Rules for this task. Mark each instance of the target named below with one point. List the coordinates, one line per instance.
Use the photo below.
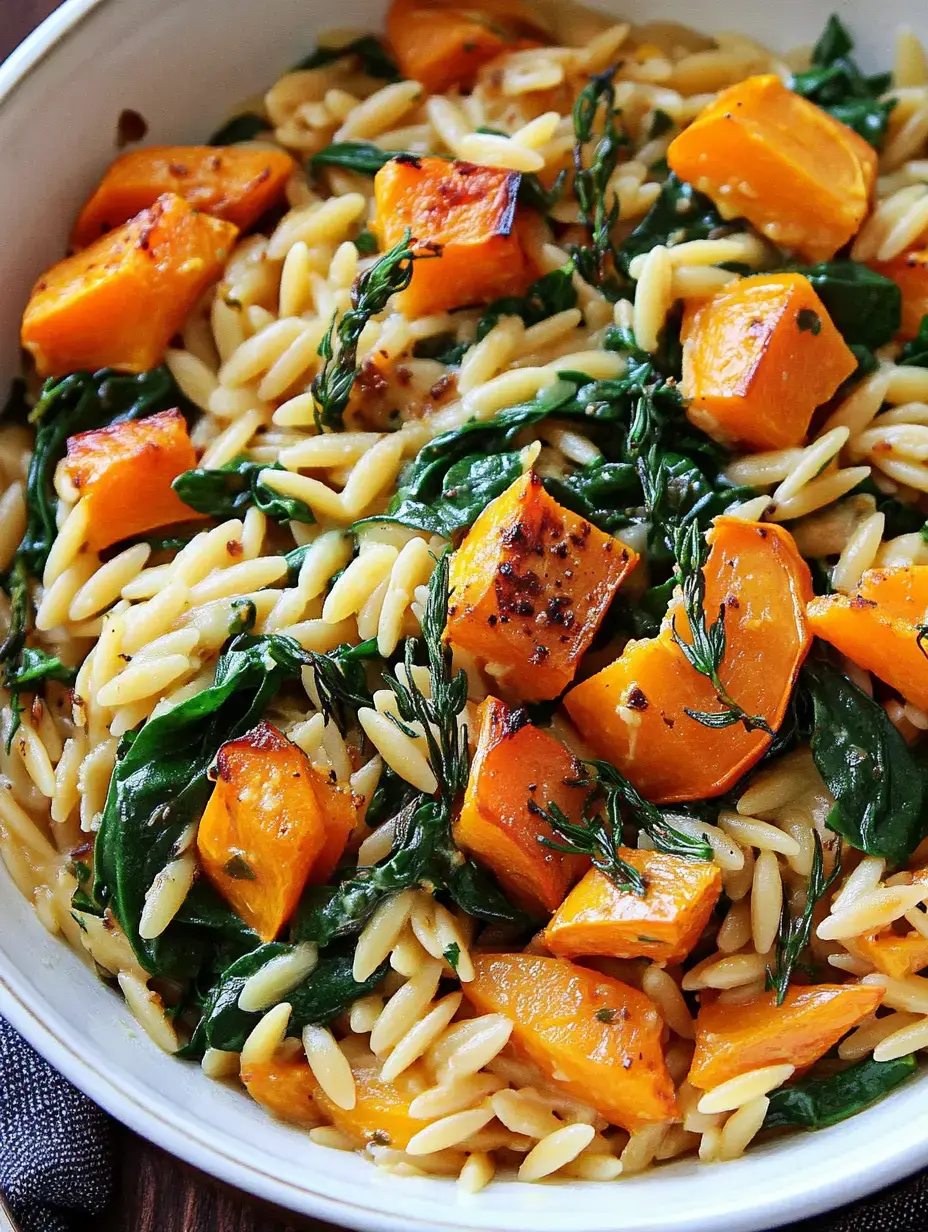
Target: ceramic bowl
(182, 64)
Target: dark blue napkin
(55, 1157)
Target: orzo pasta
(466, 591)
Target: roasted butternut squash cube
(759, 358)
(235, 183)
(732, 1039)
(381, 1110)
(634, 712)
(268, 826)
(763, 153)
(599, 918)
(284, 1085)
(463, 221)
(910, 274)
(878, 626)
(530, 584)
(443, 44)
(118, 303)
(517, 769)
(124, 472)
(597, 1038)
(896, 956)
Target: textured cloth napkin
(55, 1158)
(54, 1143)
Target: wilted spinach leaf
(878, 782)
(915, 351)
(230, 490)
(244, 127)
(836, 83)
(865, 306)
(679, 213)
(375, 61)
(815, 1103)
(361, 156)
(160, 785)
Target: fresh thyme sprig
(595, 838)
(646, 816)
(795, 931)
(707, 649)
(438, 713)
(341, 682)
(331, 389)
(596, 119)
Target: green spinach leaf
(680, 213)
(374, 58)
(865, 306)
(244, 127)
(160, 785)
(815, 1103)
(230, 490)
(361, 156)
(836, 83)
(879, 783)
(915, 351)
(327, 992)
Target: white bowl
(182, 64)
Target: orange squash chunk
(633, 712)
(443, 44)
(118, 303)
(466, 215)
(758, 358)
(268, 827)
(516, 766)
(285, 1087)
(910, 273)
(763, 153)
(125, 471)
(878, 626)
(227, 182)
(732, 1039)
(381, 1111)
(529, 586)
(594, 1036)
(599, 918)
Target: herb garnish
(332, 387)
(795, 931)
(596, 119)
(707, 649)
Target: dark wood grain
(154, 1192)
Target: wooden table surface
(155, 1192)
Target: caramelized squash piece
(381, 1111)
(124, 472)
(517, 768)
(594, 1036)
(442, 43)
(118, 303)
(878, 627)
(633, 712)
(463, 218)
(529, 586)
(759, 358)
(285, 1087)
(763, 153)
(599, 918)
(910, 274)
(732, 1039)
(268, 826)
(230, 182)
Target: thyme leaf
(706, 651)
(596, 120)
(332, 387)
(596, 838)
(795, 931)
(646, 816)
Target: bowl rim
(163, 1123)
